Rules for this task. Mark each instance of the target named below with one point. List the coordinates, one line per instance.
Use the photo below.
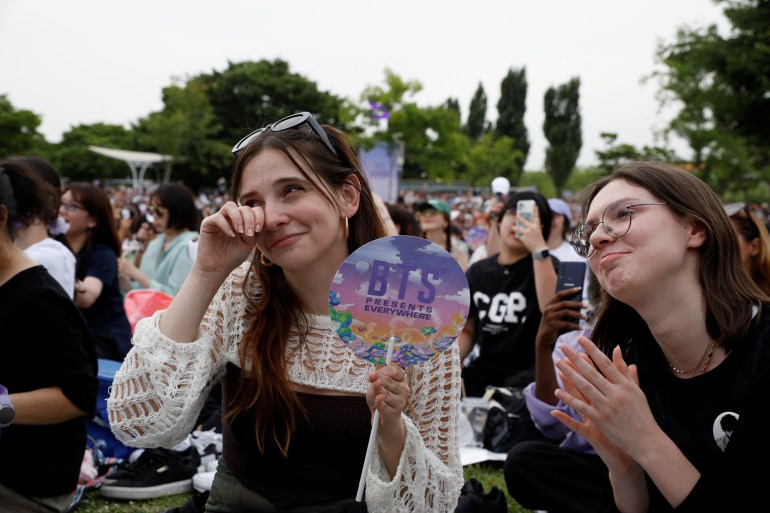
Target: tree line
(720, 85)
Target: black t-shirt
(506, 314)
(44, 342)
(719, 420)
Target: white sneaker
(202, 481)
(208, 444)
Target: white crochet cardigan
(160, 389)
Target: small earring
(265, 261)
(347, 230)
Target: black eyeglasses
(286, 123)
(616, 221)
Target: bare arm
(465, 340)
(226, 239)
(545, 281)
(88, 291)
(531, 235)
(558, 315)
(43, 406)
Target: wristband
(7, 413)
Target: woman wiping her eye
(254, 313)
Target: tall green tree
(492, 156)
(511, 108)
(454, 104)
(434, 145)
(18, 130)
(391, 96)
(248, 95)
(477, 114)
(563, 129)
(719, 83)
(186, 129)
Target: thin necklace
(702, 363)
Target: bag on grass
(506, 407)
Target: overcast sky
(89, 61)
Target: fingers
(238, 220)
(567, 293)
(613, 370)
(390, 387)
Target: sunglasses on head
(293, 121)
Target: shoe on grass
(157, 473)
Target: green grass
(489, 474)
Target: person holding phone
(681, 341)
(558, 471)
(509, 290)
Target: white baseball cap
(501, 185)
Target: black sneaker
(157, 473)
(474, 500)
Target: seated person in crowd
(509, 290)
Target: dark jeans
(228, 495)
(542, 475)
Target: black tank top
(325, 457)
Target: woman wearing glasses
(92, 238)
(673, 397)
(166, 262)
(297, 403)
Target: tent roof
(140, 157)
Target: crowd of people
(642, 387)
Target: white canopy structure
(138, 161)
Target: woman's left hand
(606, 393)
(388, 393)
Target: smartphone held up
(525, 209)
(571, 275)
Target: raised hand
(531, 233)
(559, 315)
(227, 237)
(616, 417)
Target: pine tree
(511, 108)
(562, 128)
(477, 114)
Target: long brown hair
(277, 311)
(728, 291)
(752, 229)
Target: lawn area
(489, 474)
